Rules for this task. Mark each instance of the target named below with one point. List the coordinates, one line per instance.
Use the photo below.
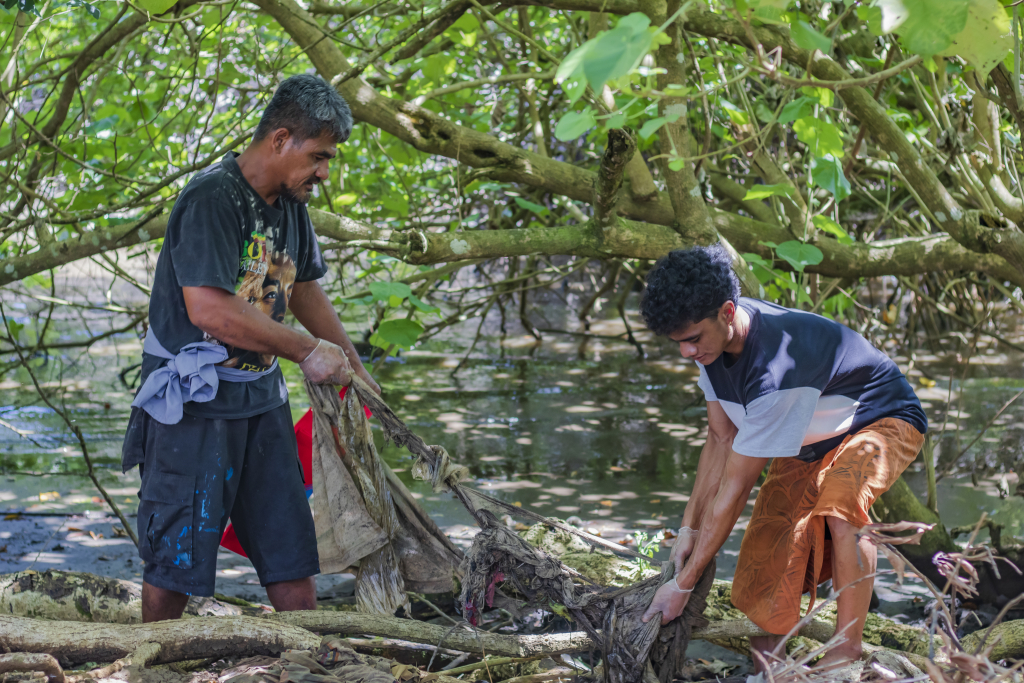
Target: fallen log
(1006, 640)
(78, 642)
(25, 661)
(464, 638)
(80, 596)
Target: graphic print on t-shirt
(266, 278)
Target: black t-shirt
(221, 233)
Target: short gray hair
(308, 107)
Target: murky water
(597, 434)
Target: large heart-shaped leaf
(402, 333)
(799, 255)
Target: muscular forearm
(313, 310)
(708, 480)
(715, 526)
(235, 322)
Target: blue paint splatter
(231, 470)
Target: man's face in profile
(303, 164)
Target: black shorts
(198, 473)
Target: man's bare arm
(741, 473)
(710, 468)
(313, 309)
(235, 322)
(711, 465)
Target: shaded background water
(590, 431)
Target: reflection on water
(605, 437)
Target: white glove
(327, 364)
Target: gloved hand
(682, 546)
(327, 365)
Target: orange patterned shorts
(784, 552)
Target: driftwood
(77, 642)
(143, 656)
(610, 616)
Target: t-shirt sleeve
(776, 423)
(704, 382)
(207, 247)
(310, 264)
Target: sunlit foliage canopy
(824, 142)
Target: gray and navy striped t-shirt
(802, 383)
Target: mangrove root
(25, 661)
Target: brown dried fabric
(379, 586)
(611, 616)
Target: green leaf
(387, 291)
(827, 173)
(762, 268)
(618, 51)
(651, 127)
(797, 109)
(799, 255)
(14, 329)
(764, 191)
(826, 224)
(616, 120)
(89, 7)
(156, 6)
(576, 89)
(735, 114)
(804, 35)
(573, 63)
(103, 124)
(396, 204)
(438, 67)
(925, 27)
(822, 96)
(574, 124)
(403, 333)
(422, 305)
(986, 38)
(359, 301)
(530, 206)
(821, 137)
(768, 11)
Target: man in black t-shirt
(210, 427)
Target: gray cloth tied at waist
(190, 375)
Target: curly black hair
(687, 286)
